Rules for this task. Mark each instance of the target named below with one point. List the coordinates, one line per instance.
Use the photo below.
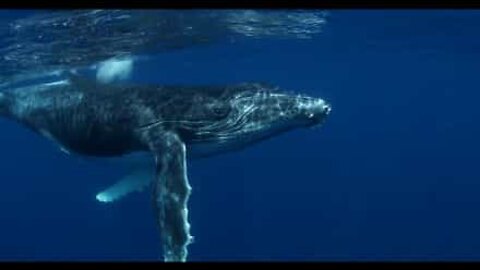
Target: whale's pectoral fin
(171, 191)
(136, 180)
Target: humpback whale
(164, 126)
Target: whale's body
(157, 129)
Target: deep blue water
(392, 175)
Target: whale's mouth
(327, 108)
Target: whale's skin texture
(168, 123)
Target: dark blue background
(393, 174)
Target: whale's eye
(219, 109)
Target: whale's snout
(327, 108)
(316, 110)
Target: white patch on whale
(114, 69)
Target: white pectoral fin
(137, 180)
(171, 193)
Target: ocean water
(391, 175)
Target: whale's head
(262, 108)
(256, 111)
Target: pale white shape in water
(115, 69)
(56, 83)
(134, 181)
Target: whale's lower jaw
(236, 142)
